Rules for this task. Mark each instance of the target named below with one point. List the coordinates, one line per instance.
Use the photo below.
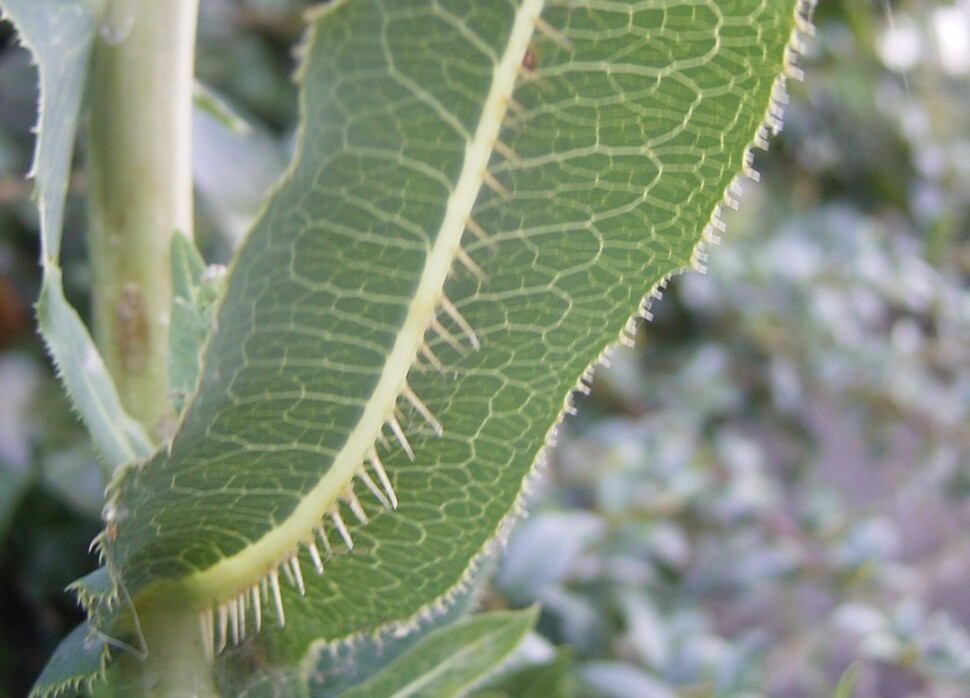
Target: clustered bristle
(228, 623)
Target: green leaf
(118, 438)
(60, 34)
(215, 106)
(544, 200)
(195, 289)
(552, 679)
(451, 659)
(80, 660)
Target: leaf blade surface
(620, 136)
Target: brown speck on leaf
(530, 61)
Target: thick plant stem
(140, 194)
(176, 665)
(140, 191)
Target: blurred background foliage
(771, 487)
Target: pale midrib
(231, 576)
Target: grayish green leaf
(620, 136)
(79, 660)
(451, 659)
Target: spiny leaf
(79, 660)
(541, 172)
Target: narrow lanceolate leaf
(482, 195)
(60, 33)
(451, 659)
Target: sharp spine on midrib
(231, 616)
(557, 37)
(470, 264)
(378, 468)
(257, 608)
(489, 180)
(223, 614)
(402, 439)
(297, 574)
(274, 587)
(375, 490)
(432, 359)
(422, 409)
(478, 231)
(505, 151)
(233, 613)
(311, 547)
(338, 522)
(350, 499)
(460, 320)
(447, 336)
(322, 534)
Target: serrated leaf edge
(771, 123)
(224, 618)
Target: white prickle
(298, 574)
(223, 614)
(432, 359)
(314, 555)
(374, 489)
(460, 320)
(489, 180)
(322, 534)
(274, 585)
(447, 336)
(383, 479)
(338, 521)
(288, 573)
(505, 151)
(241, 602)
(233, 620)
(400, 436)
(478, 231)
(350, 498)
(422, 409)
(257, 608)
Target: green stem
(140, 194)
(176, 665)
(140, 191)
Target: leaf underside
(619, 136)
